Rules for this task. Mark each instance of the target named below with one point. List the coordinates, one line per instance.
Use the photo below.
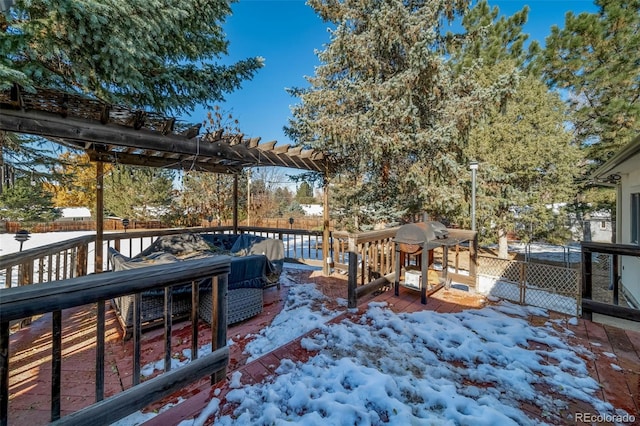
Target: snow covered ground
(472, 367)
(8, 244)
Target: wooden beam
(192, 131)
(253, 142)
(281, 149)
(622, 312)
(84, 133)
(326, 236)
(163, 162)
(99, 216)
(267, 146)
(167, 126)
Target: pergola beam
(119, 139)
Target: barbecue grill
(420, 239)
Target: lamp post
(22, 236)
(210, 218)
(473, 166)
(125, 223)
(291, 223)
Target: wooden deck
(30, 369)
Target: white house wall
(630, 271)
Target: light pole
(473, 166)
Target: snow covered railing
(26, 301)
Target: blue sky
(287, 32)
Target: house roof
(625, 161)
(117, 134)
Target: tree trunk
(503, 248)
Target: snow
(9, 245)
(473, 367)
(76, 212)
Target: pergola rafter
(116, 134)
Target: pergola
(120, 135)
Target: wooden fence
(115, 224)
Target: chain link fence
(555, 288)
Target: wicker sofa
(256, 264)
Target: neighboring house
(596, 226)
(622, 171)
(74, 214)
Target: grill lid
(421, 232)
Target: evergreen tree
(304, 194)
(527, 156)
(284, 198)
(387, 106)
(29, 155)
(596, 59)
(27, 201)
(493, 38)
(138, 192)
(527, 166)
(161, 55)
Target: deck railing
(369, 258)
(375, 251)
(20, 302)
(53, 262)
(590, 306)
(75, 257)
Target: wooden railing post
(219, 287)
(473, 259)
(4, 373)
(586, 281)
(352, 280)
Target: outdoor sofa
(256, 263)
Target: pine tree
(160, 55)
(388, 108)
(27, 201)
(304, 194)
(28, 155)
(527, 166)
(492, 38)
(163, 55)
(596, 59)
(527, 157)
(138, 192)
